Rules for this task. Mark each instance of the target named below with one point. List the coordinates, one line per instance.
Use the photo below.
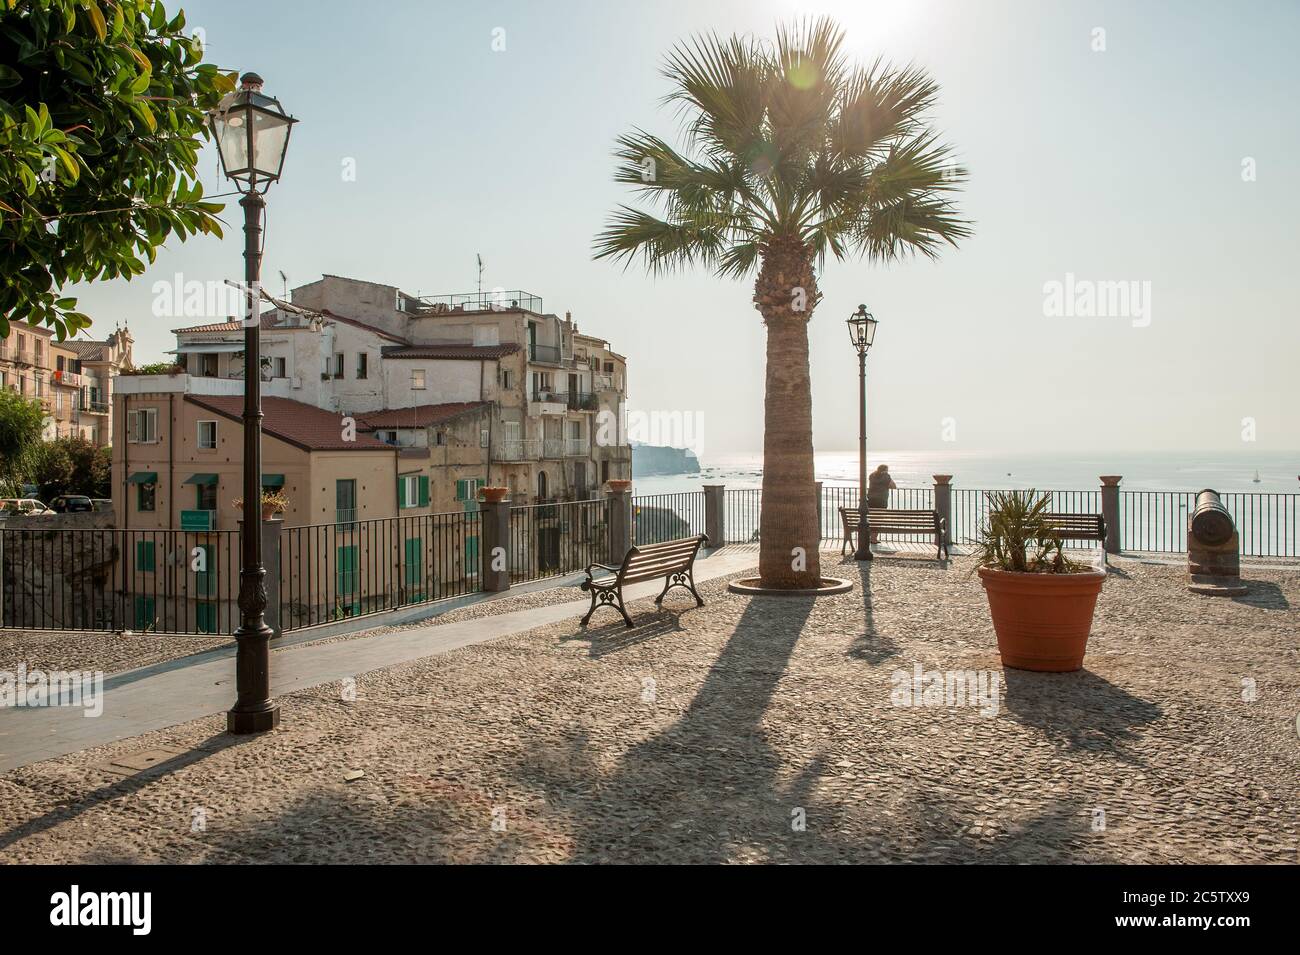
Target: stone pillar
(715, 514)
(271, 561)
(620, 524)
(943, 504)
(494, 547)
(1110, 512)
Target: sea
(1261, 471)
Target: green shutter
(144, 555)
(144, 613)
(460, 490)
(424, 491)
(414, 566)
(471, 556)
(207, 618)
(205, 582)
(401, 491)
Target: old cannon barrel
(1211, 522)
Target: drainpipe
(171, 462)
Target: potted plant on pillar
(273, 503)
(1041, 601)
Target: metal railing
(1268, 524)
(163, 581)
(519, 449)
(330, 572)
(546, 353)
(549, 540)
(664, 517)
(476, 301)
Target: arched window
(541, 485)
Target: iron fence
(354, 568)
(664, 517)
(550, 540)
(160, 581)
(1268, 524)
(970, 510)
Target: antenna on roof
(480, 277)
(284, 283)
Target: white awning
(191, 348)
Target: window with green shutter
(347, 578)
(424, 490)
(144, 555)
(471, 556)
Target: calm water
(1173, 471)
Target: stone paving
(754, 729)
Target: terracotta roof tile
(420, 416)
(452, 351)
(303, 425)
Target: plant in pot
(1041, 601)
(494, 494)
(618, 485)
(273, 503)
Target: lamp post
(862, 332)
(252, 134)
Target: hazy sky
(1117, 165)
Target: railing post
(494, 554)
(620, 524)
(818, 485)
(943, 504)
(271, 561)
(715, 516)
(1110, 512)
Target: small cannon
(1212, 548)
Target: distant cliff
(649, 460)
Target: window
(506, 378)
(207, 497)
(417, 379)
(345, 500)
(280, 370)
(484, 436)
(338, 365)
(145, 496)
(467, 491)
(207, 435)
(58, 363)
(144, 555)
(362, 365)
(413, 490)
(440, 438)
(142, 426)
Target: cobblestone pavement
(753, 729)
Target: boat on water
(1256, 477)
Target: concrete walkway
(152, 698)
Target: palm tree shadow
(691, 774)
(1080, 710)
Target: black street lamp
(252, 134)
(862, 332)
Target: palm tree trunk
(786, 293)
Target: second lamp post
(862, 332)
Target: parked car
(71, 503)
(23, 505)
(102, 503)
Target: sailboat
(1256, 477)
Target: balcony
(94, 407)
(564, 448)
(564, 400)
(528, 449)
(614, 453)
(345, 515)
(545, 353)
(23, 356)
(604, 383)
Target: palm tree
(790, 153)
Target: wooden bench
(1080, 527)
(673, 560)
(892, 521)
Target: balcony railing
(564, 448)
(573, 400)
(94, 407)
(345, 515)
(521, 449)
(549, 353)
(496, 300)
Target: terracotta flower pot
(1042, 620)
(268, 511)
(495, 495)
(618, 485)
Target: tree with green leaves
(71, 465)
(102, 110)
(791, 153)
(22, 420)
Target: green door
(145, 615)
(207, 617)
(345, 583)
(414, 564)
(471, 556)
